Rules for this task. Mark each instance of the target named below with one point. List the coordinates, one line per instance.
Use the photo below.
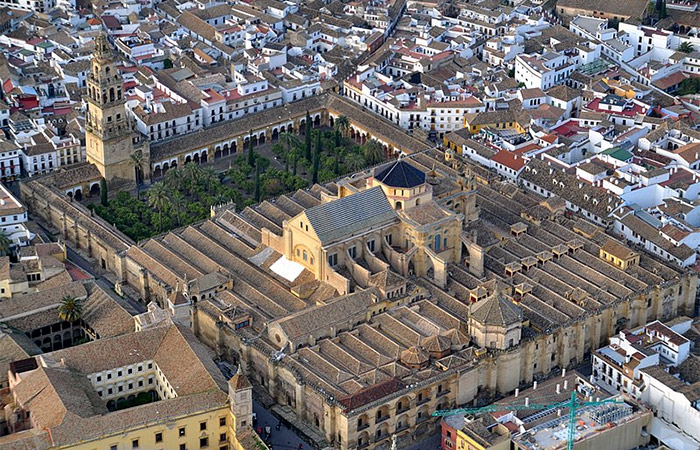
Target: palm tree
(342, 124)
(158, 199)
(354, 162)
(192, 174)
(686, 47)
(138, 160)
(221, 198)
(373, 152)
(289, 140)
(209, 176)
(70, 309)
(174, 178)
(178, 201)
(294, 154)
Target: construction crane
(573, 404)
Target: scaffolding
(610, 413)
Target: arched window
(305, 255)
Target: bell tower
(109, 138)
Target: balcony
(401, 428)
(424, 400)
(381, 438)
(443, 393)
(381, 419)
(422, 419)
(362, 427)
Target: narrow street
(285, 438)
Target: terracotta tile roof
(371, 393)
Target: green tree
(373, 152)
(70, 309)
(689, 86)
(317, 159)
(103, 191)
(307, 137)
(191, 175)
(258, 191)
(342, 124)
(354, 162)
(167, 64)
(5, 243)
(138, 160)
(337, 136)
(251, 154)
(178, 201)
(295, 161)
(339, 152)
(662, 12)
(686, 47)
(174, 179)
(158, 199)
(289, 141)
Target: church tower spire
(109, 138)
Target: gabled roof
(351, 214)
(400, 174)
(497, 310)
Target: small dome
(437, 345)
(400, 174)
(458, 340)
(415, 357)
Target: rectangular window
(202, 426)
(181, 431)
(222, 421)
(135, 443)
(203, 442)
(159, 437)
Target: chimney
(534, 385)
(563, 373)
(517, 391)
(527, 401)
(565, 383)
(558, 389)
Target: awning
(671, 436)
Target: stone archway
(157, 172)
(78, 195)
(188, 159)
(196, 158)
(275, 134)
(166, 166)
(317, 121)
(95, 189)
(204, 157)
(57, 343)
